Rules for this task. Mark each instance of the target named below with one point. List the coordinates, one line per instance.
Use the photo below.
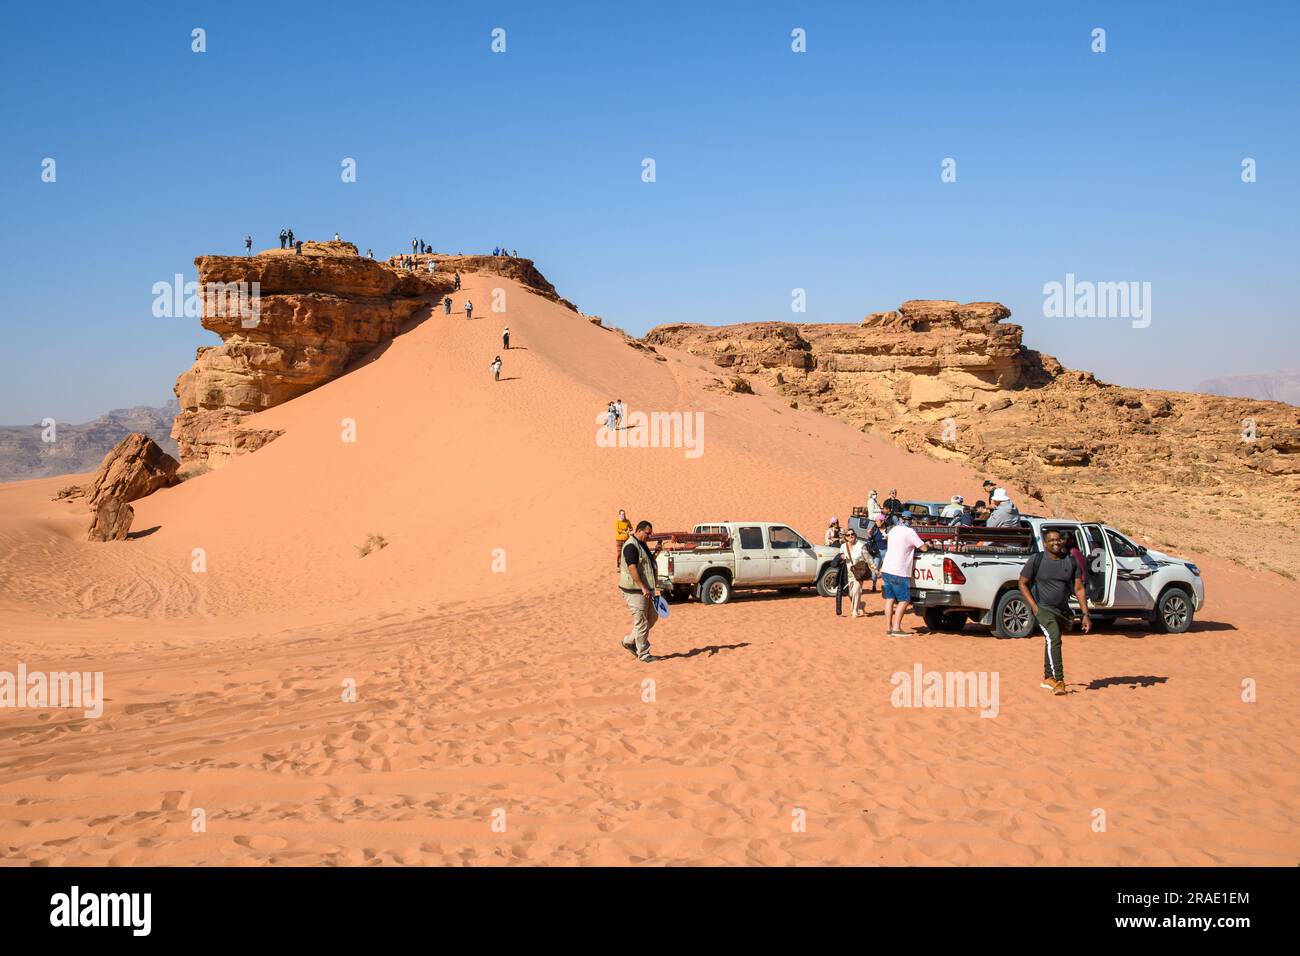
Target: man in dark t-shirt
(1046, 583)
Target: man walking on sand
(446, 305)
(1046, 582)
(636, 580)
(505, 338)
(901, 545)
(469, 310)
(622, 531)
(496, 369)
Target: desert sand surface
(487, 695)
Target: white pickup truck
(973, 574)
(744, 555)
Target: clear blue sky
(775, 170)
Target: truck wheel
(1174, 611)
(826, 583)
(948, 622)
(716, 589)
(1012, 617)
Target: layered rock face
(289, 323)
(954, 381)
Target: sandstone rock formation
(112, 521)
(303, 320)
(522, 271)
(954, 381)
(135, 468)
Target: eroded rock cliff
(289, 323)
(1185, 470)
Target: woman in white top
(855, 554)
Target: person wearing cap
(953, 508)
(833, 533)
(1004, 514)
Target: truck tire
(1011, 615)
(947, 622)
(715, 589)
(826, 581)
(1174, 611)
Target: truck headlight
(1193, 568)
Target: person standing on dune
(505, 338)
(469, 310)
(496, 369)
(456, 287)
(446, 305)
(636, 580)
(622, 531)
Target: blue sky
(775, 170)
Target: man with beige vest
(636, 581)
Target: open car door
(1099, 582)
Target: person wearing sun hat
(1005, 514)
(833, 533)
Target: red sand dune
(481, 691)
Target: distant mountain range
(1274, 387)
(78, 448)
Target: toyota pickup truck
(973, 574)
(715, 560)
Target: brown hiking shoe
(1049, 683)
(1060, 690)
